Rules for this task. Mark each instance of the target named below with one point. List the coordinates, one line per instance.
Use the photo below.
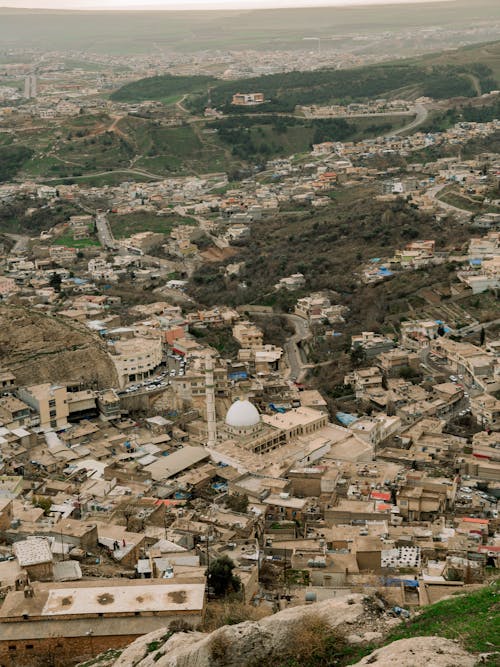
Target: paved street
(104, 233)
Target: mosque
(264, 433)
(250, 441)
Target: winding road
(421, 116)
(433, 194)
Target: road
(21, 243)
(104, 233)
(421, 116)
(433, 194)
(298, 368)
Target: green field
(68, 241)
(166, 88)
(124, 226)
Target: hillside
(465, 72)
(162, 88)
(334, 632)
(40, 348)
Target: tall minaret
(210, 396)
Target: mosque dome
(242, 414)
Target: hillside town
(162, 453)
(182, 454)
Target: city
(250, 353)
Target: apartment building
(50, 402)
(317, 308)
(62, 255)
(418, 333)
(248, 335)
(364, 379)
(486, 410)
(136, 358)
(373, 344)
(466, 359)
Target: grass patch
(469, 618)
(472, 619)
(68, 241)
(124, 226)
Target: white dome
(242, 414)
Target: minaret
(210, 396)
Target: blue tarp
(390, 581)
(240, 375)
(345, 418)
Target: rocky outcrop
(248, 643)
(266, 641)
(432, 651)
(45, 348)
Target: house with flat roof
(75, 621)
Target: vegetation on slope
(467, 72)
(160, 88)
(286, 90)
(13, 216)
(472, 619)
(12, 159)
(327, 246)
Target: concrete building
(34, 556)
(13, 412)
(136, 358)
(67, 623)
(248, 99)
(373, 344)
(50, 402)
(248, 335)
(30, 86)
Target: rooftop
(103, 597)
(33, 551)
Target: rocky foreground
(263, 642)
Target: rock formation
(45, 348)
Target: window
(52, 403)
(12, 648)
(52, 413)
(53, 423)
(29, 646)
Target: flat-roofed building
(50, 402)
(136, 358)
(248, 335)
(76, 621)
(13, 412)
(248, 99)
(35, 556)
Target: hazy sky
(192, 4)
